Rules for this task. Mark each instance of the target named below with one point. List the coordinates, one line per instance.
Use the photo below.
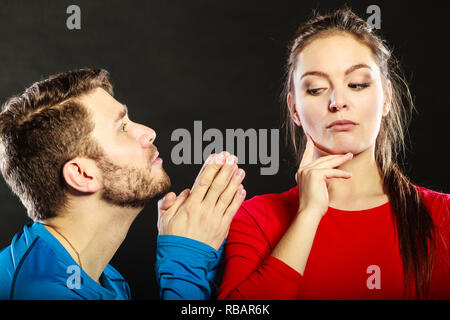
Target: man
(84, 171)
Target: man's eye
(314, 92)
(358, 86)
(123, 128)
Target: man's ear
(293, 110)
(388, 98)
(79, 174)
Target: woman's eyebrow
(357, 66)
(325, 75)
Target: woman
(355, 227)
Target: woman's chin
(343, 146)
(341, 149)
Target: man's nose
(152, 135)
(147, 138)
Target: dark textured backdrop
(221, 62)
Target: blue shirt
(186, 268)
(37, 267)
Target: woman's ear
(293, 109)
(388, 98)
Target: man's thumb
(166, 202)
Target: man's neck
(93, 235)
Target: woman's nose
(337, 101)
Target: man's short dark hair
(40, 130)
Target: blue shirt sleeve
(186, 268)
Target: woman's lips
(342, 127)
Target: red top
(354, 255)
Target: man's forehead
(102, 104)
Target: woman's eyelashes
(359, 86)
(315, 92)
(354, 86)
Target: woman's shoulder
(268, 200)
(436, 202)
(433, 197)
(266, 207)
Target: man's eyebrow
(324, 75)
(122, 113)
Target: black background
(221, 62)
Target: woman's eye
(314, 92)
(358, 86)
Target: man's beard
(130, 186)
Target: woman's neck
(364, 190)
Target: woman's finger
(330, 161)
(335, 161)
(307, 157)
(336, 173)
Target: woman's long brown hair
(412, 222)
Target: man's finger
(211, 160)
(178, 202)
(221, 181)
(227, 196)
(166, 202)
(165, 216)
(207, 162)
(205, 179)
(238, 198)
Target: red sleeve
(250, 271)
(438, 204)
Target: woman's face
(337, 78)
